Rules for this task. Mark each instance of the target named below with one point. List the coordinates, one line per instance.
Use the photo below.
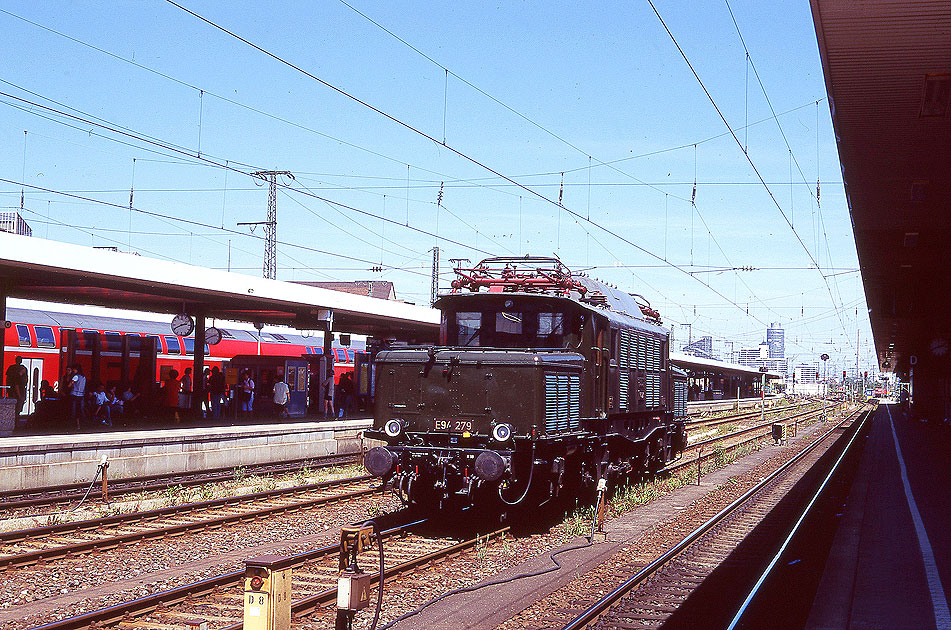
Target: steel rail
(149, 603)
(752, 428)
(684, 463)
(120, 487)
(795, 528)
(320, 600)
(114, 541)
(602, 605)
(710, 422)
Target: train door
(295, 375)
(34, 376)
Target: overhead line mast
(270, 226)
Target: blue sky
(533, 90)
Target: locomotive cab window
(508, 328)
(468, 326)
(510, 325)
(551, 330)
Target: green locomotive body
(542, 381)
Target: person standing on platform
(246, 392)
(76, 384)
(282, 394)
(216, 389)
(185, 396)
(16, 382)
(206, 400)
(345, 394)
(327, 386)
(170, 394)
(102, 410)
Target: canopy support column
(198, 370)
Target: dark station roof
(39, 269)
(887, 66)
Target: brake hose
(379, 592)
(553, 556)
(531, 473)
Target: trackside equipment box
(267, 593)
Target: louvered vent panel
(653, 356)
(574, 401)
(653, 390)
(623, 389)
(680, 398)
(625, 349)
(562, 402)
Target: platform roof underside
(886, 66)
(38, 269)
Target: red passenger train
(36, 336)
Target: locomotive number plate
(457, 426)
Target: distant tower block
(776, 338)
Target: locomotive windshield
(512, 325)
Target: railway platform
(38, 461)
(890, 562)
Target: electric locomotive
(543, 383)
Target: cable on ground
(553, 557)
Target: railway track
(63, 495)
(704, 423)
(741, 537)
(716, 446)
(29, 546)
(219, 600)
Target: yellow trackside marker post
(267, 593)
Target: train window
(174, 347)
(308, 350)
(113, 342)
(551, 330)
(44, 337)
(317, 350)
(468, 325)
(190, 346)
(89, 339)
(508, 323)
(158, 342)
(23, 334)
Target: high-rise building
(702, 347)
(806, 373)
(776, 339)
(11, 221)
(754, 357)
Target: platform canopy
(887, 66)
(38, 269)
(693, 363)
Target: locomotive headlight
(502, 432)
(393, 427)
